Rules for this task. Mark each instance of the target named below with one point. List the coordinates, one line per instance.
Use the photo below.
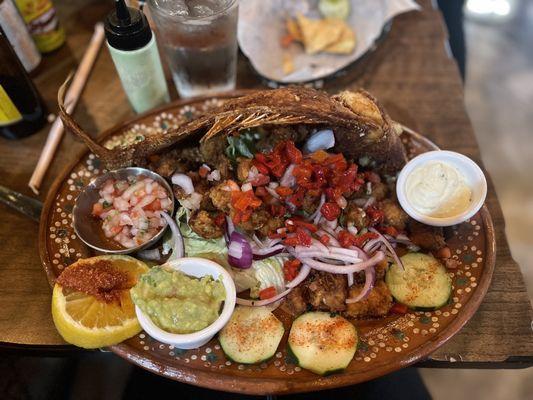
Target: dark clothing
(452, 10)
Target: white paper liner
(262, 24)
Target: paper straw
(71, 99)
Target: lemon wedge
(337, 9)
(93, 307)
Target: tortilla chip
(318, 34)
(293, 29)
(288, 64)
(346, 42)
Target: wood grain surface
(410, 73)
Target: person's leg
(452, 10)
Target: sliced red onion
(371, 200)
(389, 248)
(252, 174)
(370, 244)
(259, 303)
(351, 228)
(178, 246)
(344, 269)
(214, 176)
(328, 251)
(292, 208)
(272, 192)
(377, 246)
(332, 238)
(288, 178)
(257, 241)
(318, 214)
(403, 239)
(259, 254)
(304, 273)
(184, 182)
(267, 250)
(321, 140)
(272, 242)
(331, 225)
(342, 202)
(239, 251)
(350, 280)
(319, 245)
(360, 252)
(230, 228)
(329, 258)
(341, 250)
(370, 277)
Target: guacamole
(176, 302)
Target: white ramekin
(197, 267)
(474, 178)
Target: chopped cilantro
(243, 144)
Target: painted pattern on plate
(395, 336)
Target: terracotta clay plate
(386, 344)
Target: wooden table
(410, 73)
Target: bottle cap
(127, 28)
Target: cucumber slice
(424, 284)
(252, 335)
(322, 343)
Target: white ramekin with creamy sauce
(441, 188)
(194, 267)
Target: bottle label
(9, 113)
(41, 18)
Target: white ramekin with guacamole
(184, 302)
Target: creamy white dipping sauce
(438, 189)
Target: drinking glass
(199, 38)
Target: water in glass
(200, 42)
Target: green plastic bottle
(133, 48)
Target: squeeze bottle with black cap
(133, 49)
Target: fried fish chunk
(325, 291)
(377, 304)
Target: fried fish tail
(71, 125)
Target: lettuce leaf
(194, 243)
(242, 145)
(269, 272)
(262, 274)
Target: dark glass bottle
(22, 111)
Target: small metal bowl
(89, 228)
